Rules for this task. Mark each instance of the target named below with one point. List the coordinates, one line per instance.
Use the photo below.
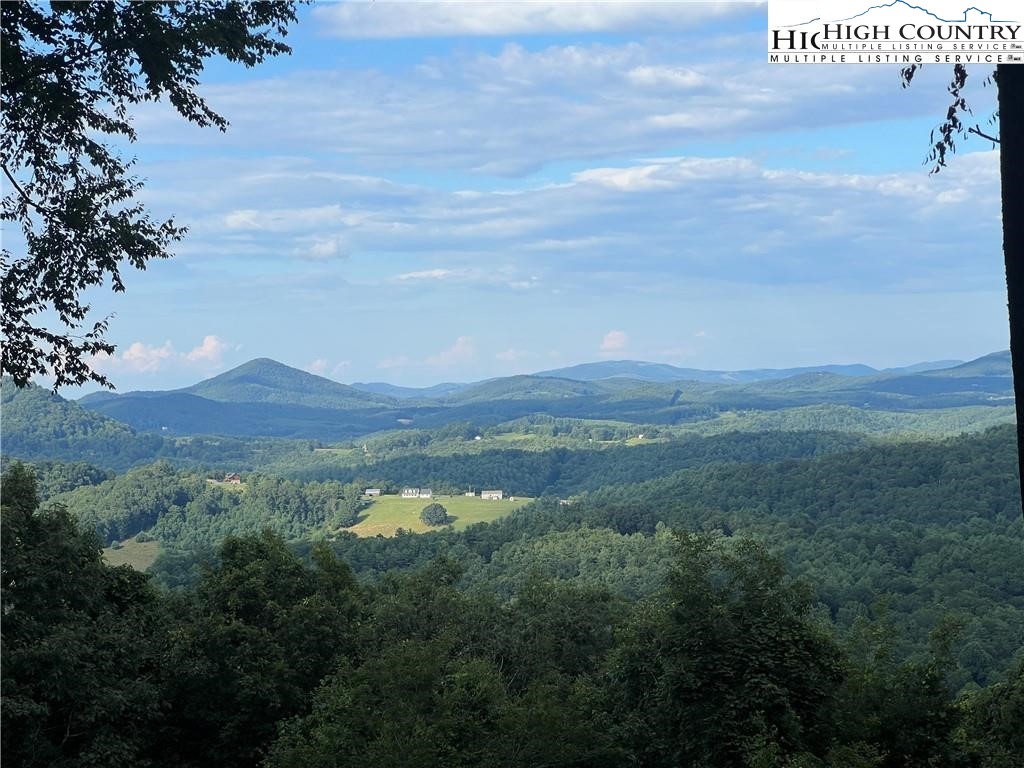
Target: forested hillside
(269, 660)
(898, 586)
(909, 530)
(40, 424)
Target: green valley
(884, 539)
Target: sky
(427, 192)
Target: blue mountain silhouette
(911, 6)
(925, 10)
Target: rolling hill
(409, 393)
(37, 424)
(661, 372)
(267, 381)
(266, 398)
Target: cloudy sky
(448, 192)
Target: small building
(410, 493)
(426, 493)
(471, 494)
(492, 495)
(372, 492)
(232, 477)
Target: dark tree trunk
(1011, 145)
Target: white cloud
(459, 352)
(639, 179)
(141, 358)
(656, 224)
(324, 248)
(210, 352)
(506, 276)
(510, 355)
(283, 219)
(614, 341)
(668, 173)
(102, 362)
(318, 366)
(430, 274)
(447, 19)
(247, 219)
(671, 77)
(389, 363)
(517, 110)
(322, 366)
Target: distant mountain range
(265, 381)
(404, 393)
(264, 397)
(641, 371)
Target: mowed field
(389, 513)
(140, 555)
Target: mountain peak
(263, 380)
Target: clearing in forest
(386, 514)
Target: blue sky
(448, 192)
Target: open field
(389, 513)
(339, 451)
(236, 487)
(140, 555)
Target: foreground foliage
(72, 73)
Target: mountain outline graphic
(911, 6)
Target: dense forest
(821, 585)
(912, 532)
(270, 659)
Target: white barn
(492, 495)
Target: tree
(1009, 80)
(992, 718)
(435, 514)
(728, 666)
(80, 642)
(71, 72)
(257, 635)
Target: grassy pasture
(140, 555)
(386, 514)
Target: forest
(272, 658)
(849, 594)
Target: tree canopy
(434, 514)
(71, 74)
